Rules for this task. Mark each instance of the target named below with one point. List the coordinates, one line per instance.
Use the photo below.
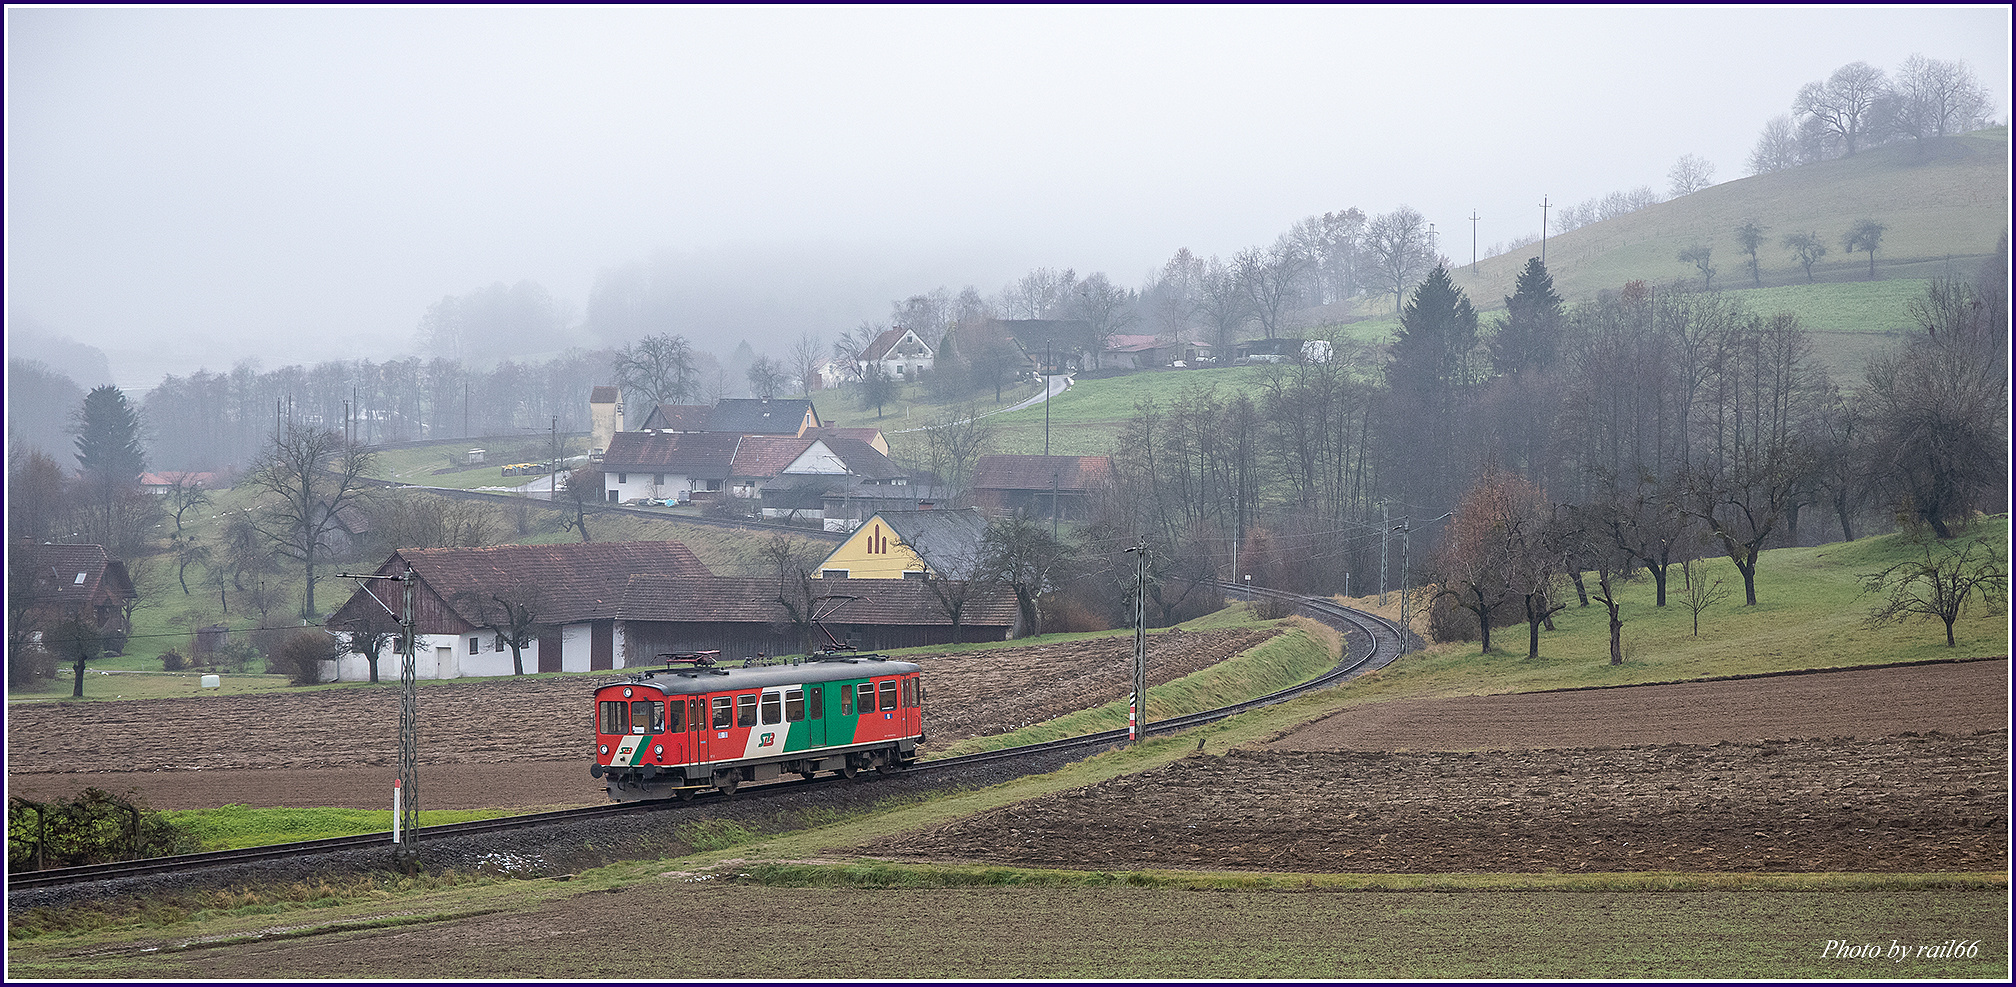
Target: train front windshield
(639, 716)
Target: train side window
(794, 705)
(846, 700)
(745, 710)
(889, 694)
(699, 718)
(724, 712)
(864, 697)
(676, 721)
(615, 716)
(773, 707)
(818, 703)
(909, 693)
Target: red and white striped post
(396, 793)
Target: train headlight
(626, 692)
(605, 750)
(658, 751)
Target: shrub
(92, 827)
(172, 661)
(301, 655)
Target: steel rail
(1380, 646)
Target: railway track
(1371, 642)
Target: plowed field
(494, 743)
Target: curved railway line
(1371, 642)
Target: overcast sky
(189, 187)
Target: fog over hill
(188, 188)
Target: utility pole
(1473, 242)
(406, 787)
(1046, 406)
(1406, 530)
(553, 468)
(1543, 229)
(1385, 537)
(1137, 703)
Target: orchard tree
(1808, 247)
(1750, 236)
(1753, 454)
(1940, 584)
(1865, 235)
(1700, 256)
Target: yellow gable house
(910, 545)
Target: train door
(694, 729)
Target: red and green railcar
(678, 731)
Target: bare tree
(1777, 147)
(1937, 98)
(1940, 585)
(1689, 175)
(793, 564)
(1808, 247)
(515, 610)
(1106, 309)
(1397, 245)
(308, 478)
(1018, 552)
(806, 356)
(584, 487)
(954, 443)
(1700, 256)
(1845, 105)
(1697, 593)
(1753, 453)
(1268, 277)
(657, 370)
(1223, 305)
(766, 377)
(1938, 413)
(370, 634)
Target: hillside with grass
(1943, 202)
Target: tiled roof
(64, 576)
(883, 344)
(943, 537)
(678, 418)
(767, 455)
(863, 460)
(761, 416)
(872, 436)
(1068, 473)
(1132, 343)
(1062, 334)
(205, 480)
(575, 582)
(745, 599)
(704, 455)
(603, 394)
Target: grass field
(1500, 926)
